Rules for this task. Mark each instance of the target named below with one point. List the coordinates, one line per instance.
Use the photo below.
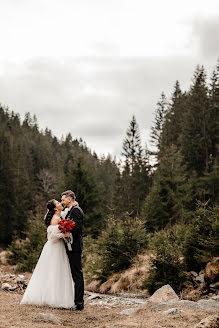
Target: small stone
(20, 278)
(12, 288)
(195, 274)
(128, 311)
(200, 278)
(12, 276)
(47, 317)
(94, 297)
(215, 285)
(6, 278)
(6, 286)
(172, 311)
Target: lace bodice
(53, 233)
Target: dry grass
(3, 257)
(93, 286)
(106, 286)
(130, 280)
(14, 315)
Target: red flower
(66, 225)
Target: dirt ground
(12, 314)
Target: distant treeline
(35, 166)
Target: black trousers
(77, 275)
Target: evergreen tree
(166, 199)
(166, 262)
(157, 128)
(132, 149)
(195, 135)
(118, 245)
(172, 126)
(82, 181)
(202, 237)
(107, 175)
(213, 125)
(7, 196)
(134, 181)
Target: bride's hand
(67, 234)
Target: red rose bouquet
(67, 226)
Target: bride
(51, 283)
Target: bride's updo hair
(50, 211)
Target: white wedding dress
(51, 283)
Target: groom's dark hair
(69, 193)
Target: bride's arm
(55, 234)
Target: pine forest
(160, 199)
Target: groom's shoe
(79, 307)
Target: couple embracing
(57, 280)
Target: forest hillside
(159, 206)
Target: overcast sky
(86, 66)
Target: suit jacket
(76, 214)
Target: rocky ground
(104, 311)
(162, 310)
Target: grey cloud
(206, 31)
(93, 98)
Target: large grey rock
(47, 317)
(164, 294)
(171, 311)
(209, 322)
(209, 305)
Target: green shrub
(116, 247)
(167, 265)
(202, 237)
(25, 252)
(90, 259)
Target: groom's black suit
(76, 214)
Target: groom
(75, 214)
